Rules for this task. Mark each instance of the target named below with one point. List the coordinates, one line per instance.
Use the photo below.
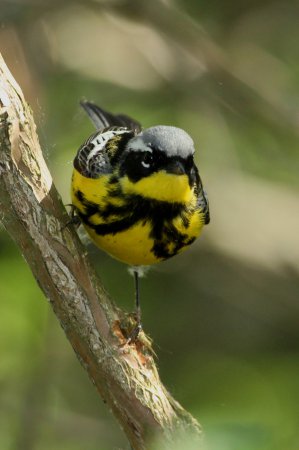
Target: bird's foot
(131, 333)
(74, 218)
(133, 336)
(131, 328)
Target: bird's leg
(137, 299)
(136, 330)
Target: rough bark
(31, 210)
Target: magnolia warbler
(138, 192)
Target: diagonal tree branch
(32, 212)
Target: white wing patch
(92, 159)
(101, 140)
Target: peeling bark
(31, 210)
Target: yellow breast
(132, 246)
(135, 245)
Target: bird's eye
(147, 160)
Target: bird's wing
(203, 205)
(96, 157)
(103, 119)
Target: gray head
(163, 156)
(172, 141)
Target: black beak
(176, 168)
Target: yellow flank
(94, 189)
(132, 246)
(160, 186)
(196, 223)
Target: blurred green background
(224, 316)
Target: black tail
(102, 119)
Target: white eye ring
(147, 160)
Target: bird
(138, 193)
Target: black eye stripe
(141, 164)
